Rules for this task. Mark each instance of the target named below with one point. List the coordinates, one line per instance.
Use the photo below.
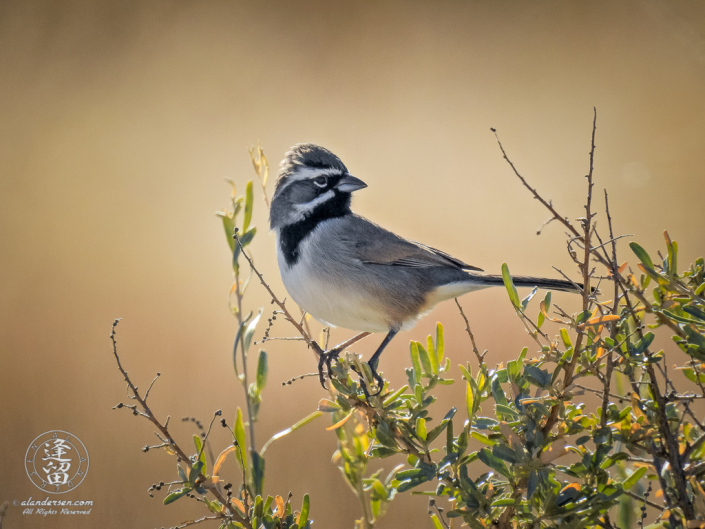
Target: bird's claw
(378, 379)
(326, 359)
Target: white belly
(330, 298)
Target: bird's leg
(375, 360)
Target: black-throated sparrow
(349, 272)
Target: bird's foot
(378, 379)
(326, 359)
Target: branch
(480, 357)
(547, 204)
(311, 343)
(194, 522)
(167, 436)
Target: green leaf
(425, 360)
(249, 200)
(240, 439)
(415, 361)
(302, 422)
(394, 396)
(440, 342)
(672, 255)
(504, 452)
(643, 344)
(245, 239)
(532, 483)
(249, 333)
(450, 441)
(537, 377)
(435, 366)
(469, 401)
(229, 228)
(421, 428)
(261, 370)
(436, 522)
(503, 502)
(695, 311)
(690, 374)
(380, 452)
(236, 343)
(509, 285)
(195, 471)
(525, 301)
(213, 506)
(303, 517)
(506, 412)
(632, 480)
(257, 472)
(482, 438)
(182, 474)
(568, 494)
(171, 498)
(497, 391)
(438, 429)
(199, 450)
(641, 254)
(385, 436)
(681, 319)
(379, 489)
(492, 461)
(566, 338)
(410, 484)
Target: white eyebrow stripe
(310, 172)
(310, 206)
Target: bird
(346, 271)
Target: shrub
(544, 460)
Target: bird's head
(312, 180)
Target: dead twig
(147, 412)
(480, 357)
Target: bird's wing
(381, 247)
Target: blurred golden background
(120, 121)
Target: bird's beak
(349, 183)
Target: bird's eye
(320, 181)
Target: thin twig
(245, 382)
(569, 369)
(298, 377)
(614, 329)
(282, 339)
(146, 395)
(480, 357)
(194, 522)
(601, 392)
(312, 343)
(611, 240)
(548, 205)
(546, 223)
(432, 503)
(605, 262)
(205, 438)
(648, 502)
(167, 435)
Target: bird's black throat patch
(291, 236)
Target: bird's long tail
(527, 281)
